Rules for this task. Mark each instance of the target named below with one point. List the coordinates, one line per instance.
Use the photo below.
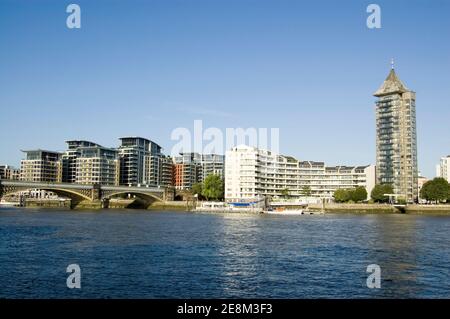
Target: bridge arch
(72, 194)
(146, 195)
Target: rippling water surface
(140, 254)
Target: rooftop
(391, 85)
(40, 151)
(134, 138)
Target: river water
(141, 254)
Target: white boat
(288, 212)
(291, 211)
(9, 204)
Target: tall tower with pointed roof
(396, 137)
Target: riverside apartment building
(251, 173)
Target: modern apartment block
(85, 162)
(187, 170)
(133, 152)
(396, 137)
(69, 159)
(97, 165)
(191, 168)
(212, 164)
(158, 170)
(251, 173)
(336, 177)
(41, 166)
(166, 171)
(443, 168)
(9, 172)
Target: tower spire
(392, 83)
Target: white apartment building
(251, 173)
(443, 168)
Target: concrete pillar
(96, 192)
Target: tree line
(355, 195)
(359, 194)
(433, 191)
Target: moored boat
(9, 204)
(285, 212)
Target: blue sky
(146, 67)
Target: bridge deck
(80, 186)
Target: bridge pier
(105, 203)
(96, 195)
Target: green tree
(197, 188)
(379, 191)
(358, 194)
(285, 193)
(425, 190)
(306, 191)
(436, 190)
(213, 187)
(341, 195)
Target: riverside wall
(380, 208)
(189, 206)
(353, 208)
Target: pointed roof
(392, 84)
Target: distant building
(167, 171)
(212, 164)
(9, 172)
(14, 174)
(85, 162)
(421, 181)
(69, 159)
(97, 165)
(192, 168)
(251, 173)
(41, 166)
(396, 137)
(133, 153)
(3, 169)
(158, 170)
(443, 168)
(336, 177)
(187, 170)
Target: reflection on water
(395, 251)
(137, 254)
